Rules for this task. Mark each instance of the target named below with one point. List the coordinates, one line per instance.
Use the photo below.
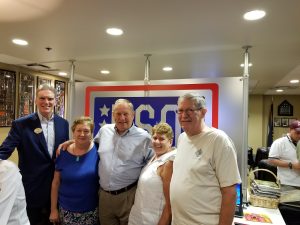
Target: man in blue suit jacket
(36, 138)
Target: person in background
(75, 184)
(205, 169)
(124, 150)
(152, 199)
(283, 154)
(12, 195)
(36, 136)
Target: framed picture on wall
(284, 122)
(291, 120)
(42, 80)
(277, 122)
(7, 97)
(26, 94)
(60, 87)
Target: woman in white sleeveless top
(152, 200)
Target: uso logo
(148, 112)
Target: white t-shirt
(12, 195)
(204, 163)
(285, 150)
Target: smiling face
(190, 117)
(45, 102)
(123, 115)
(82, 133)
(161, 144)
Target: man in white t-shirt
(283, 154)
(205, 169)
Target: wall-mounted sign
(285, 109)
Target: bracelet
(290, 165)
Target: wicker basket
(260, 201)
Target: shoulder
(108, 127)
(139, 131)
(278, 143)
(30, 117)
(219, 135)
(60, 119)
(170, 156)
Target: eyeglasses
(187, 111)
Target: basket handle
(266, 170)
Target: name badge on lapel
(38, 130)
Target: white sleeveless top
(149, 197)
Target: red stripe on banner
(160, 87)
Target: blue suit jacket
(35, 163)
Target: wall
(255, 121)
(259, 108)
(4, 130)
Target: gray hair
(123, 101)
(43, 87)
(198, 101)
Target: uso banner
(156, 102)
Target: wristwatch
(290, 165)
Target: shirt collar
(125, 132)
(44, 118)
(290, 139)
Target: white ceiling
(198, 38)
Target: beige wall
(3, 133)
(255, 121)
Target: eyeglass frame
(187, 111)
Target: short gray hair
(198, 100)
(43, 87)
(122, 101)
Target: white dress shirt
(48, 131)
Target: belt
(116, 192)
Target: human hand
(54, 217)
(64, 146)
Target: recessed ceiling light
(167, 68)
(254, 15)
(279, 90)
(20, 42)
(62, 74)
(294, 81)
(114, 31)
(242, 65)
(105, 71)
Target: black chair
(251, 162)
(261, 153)
(263, 175)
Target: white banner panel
(157, 102)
